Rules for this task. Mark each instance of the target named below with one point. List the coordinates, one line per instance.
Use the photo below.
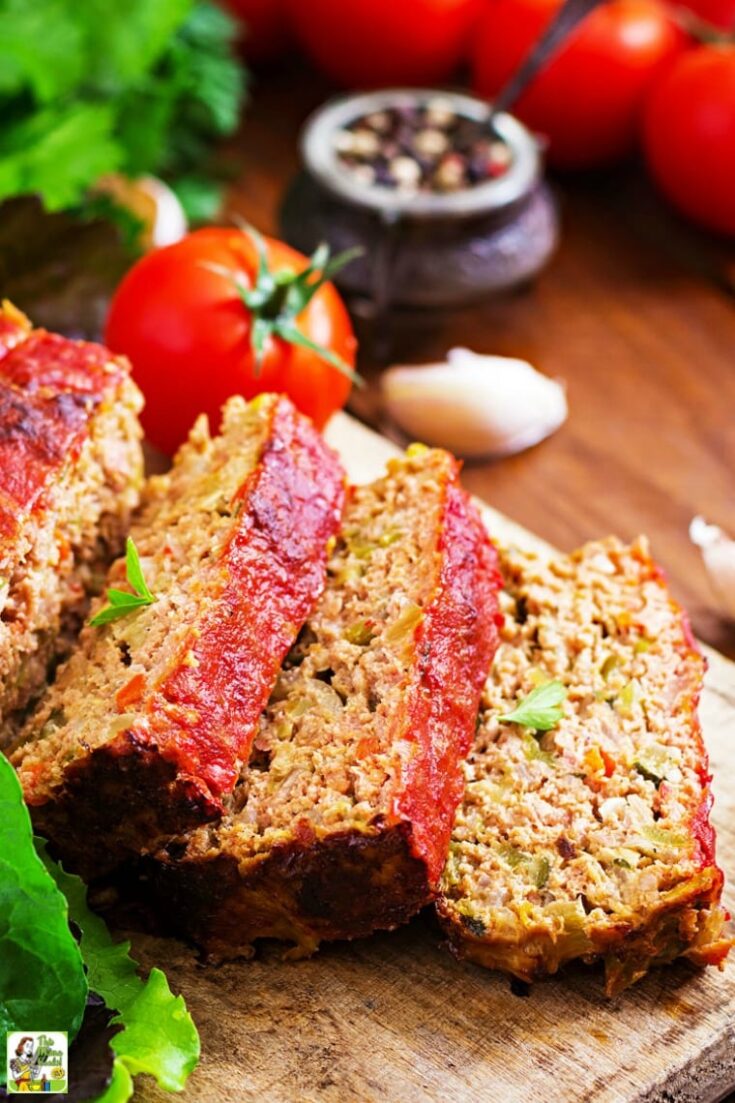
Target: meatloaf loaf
(340, 823)
(70, 473)
(589, 840)
(145, 729)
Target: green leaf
(120, 1088)
(277, 298)
(541, 710)
(122, 597)
(111, 972)
(340, 260)
(41, 49)
(321, 268)
(42, 981)
(158, 1036)
(58, 152)
(91, 88)
(124, 42)
(264, 280)
(120, 602)
(134, 571)
(115, 612)
(201, 198)
(289, 332)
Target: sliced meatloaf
(147, 725)
(70, 474)
(590, 840)
(340, 823)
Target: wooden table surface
(636, 313)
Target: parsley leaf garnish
(541, 710)
(120, 601)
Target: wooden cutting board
(395, 1019)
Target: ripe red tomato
(368, 43)
(718, 13)
(189, 334)
(265, 27)
(689, 135)
(587, 103)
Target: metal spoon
(566, 19)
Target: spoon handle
(566, 19)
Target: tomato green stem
(277, 298)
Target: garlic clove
(475, 405)
(718, 553)
(150, 200)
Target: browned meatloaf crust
(591, 840)
(70, 474)
(147, 725)
(339, 825)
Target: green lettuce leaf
(120, 1088)
(158, 1035)
(42, 981)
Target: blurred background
(588, 233)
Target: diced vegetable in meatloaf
(586, 834)
(147, 725)
(339, 824)
(70, 473)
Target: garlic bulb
(475, 405)
(718, 552)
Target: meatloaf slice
(143, 734)
(591, 840)
(70, 473)
(340, 823)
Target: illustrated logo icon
(38, 1061)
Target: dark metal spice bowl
(422, 249)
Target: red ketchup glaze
(49, 387)
(37, 437)
(702, 830)
(46, 360)
(456, 641)
(203, 717)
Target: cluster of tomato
(223, 312)
(630, 75)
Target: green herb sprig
(121, 603)
(94, 88)
(541, 710)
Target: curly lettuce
(158, 1035)
(46, 973)
(42, 979)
